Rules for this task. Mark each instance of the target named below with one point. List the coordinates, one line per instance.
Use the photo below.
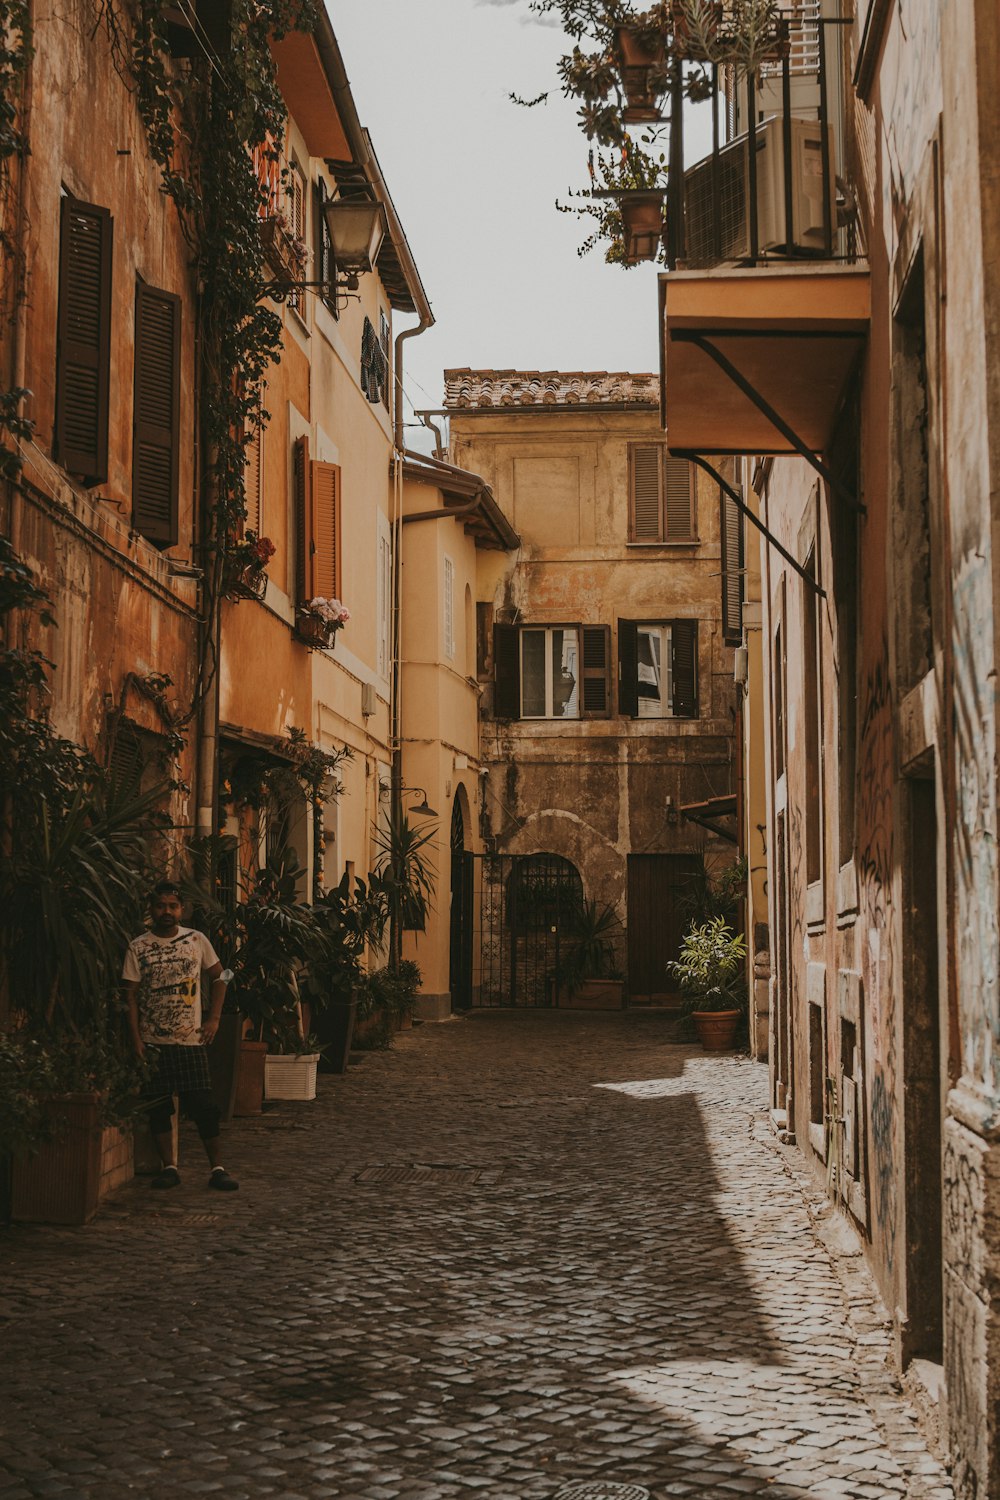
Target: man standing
(162, 981)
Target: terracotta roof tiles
(470, 390)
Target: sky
(474, 178)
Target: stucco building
(608, 697)
(857, 383)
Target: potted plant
(318, 621)
(285, 251)
(349, 918)
(587, 976)
(291, 1073)
(244, 574)
(711, 972)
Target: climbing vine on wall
(203, 117)
(16, 52)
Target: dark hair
(165, 888)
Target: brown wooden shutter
(83, 340)
(325, 269)
(484, 639)
(678, 498)
(595, 699)
(507, 670)
(645, 492)
(684, 651)
(325, 548)
(156, 415)
(303, 522)
(731, 531)
(628, 668)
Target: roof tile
(471, 390)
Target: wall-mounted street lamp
(356, 227)
(421, 808)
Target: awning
(711, 813)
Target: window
(317, 526)
(658, 669)
(295, 214)
(83, 340)
(731, 531)
(552, 671)
(374, 368)
(324, 265)
(156, 415)
(661, 495)
(449, 609)
(383, 338)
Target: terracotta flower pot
(716, 1028)
(642, 218)
(314, 631)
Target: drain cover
(602, 1489)
(435, 1173)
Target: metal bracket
(740, 503)
(692, 336)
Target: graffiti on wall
(875, 869)
(975, 828)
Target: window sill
(689, 542)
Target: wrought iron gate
(527, 904)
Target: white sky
(474, 178)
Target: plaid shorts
(177, 1070)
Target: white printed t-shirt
(168, 972)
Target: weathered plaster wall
(595, 791)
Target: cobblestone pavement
(603, 1269)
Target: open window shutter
(731, 531)
(324, 265)
(646, 506)
(507, 672)
(596, 701)
(684, 650)
(628, 668)
(253, 480)
(304, 579)
(83, 345)
(678, 502)
(326, 530)
(156, 417)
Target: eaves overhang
(743, 346)
(485, 523)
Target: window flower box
(284, 252)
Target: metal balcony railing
(770, 191)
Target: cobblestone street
(605, 1269)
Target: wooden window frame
(88, 461)
(683, 637)
(594, 697)
(663, 537)
(148, 435)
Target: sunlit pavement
(603, 1269)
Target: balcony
(765, 307)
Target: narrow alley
(516, 1255)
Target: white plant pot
(290, 1077)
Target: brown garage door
(657, 884)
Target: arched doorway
(462, 920)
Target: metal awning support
(744, 509)
(702, 342)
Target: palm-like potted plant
(711, 973)
(588, 974)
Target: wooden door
(657, 887)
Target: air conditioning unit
(729, 178)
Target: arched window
(543, 891)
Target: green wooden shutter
(156, 415)
(731, 532)
(507, 672)
(628, 668)
(83, 340)
(684, 652)
(595, 699)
